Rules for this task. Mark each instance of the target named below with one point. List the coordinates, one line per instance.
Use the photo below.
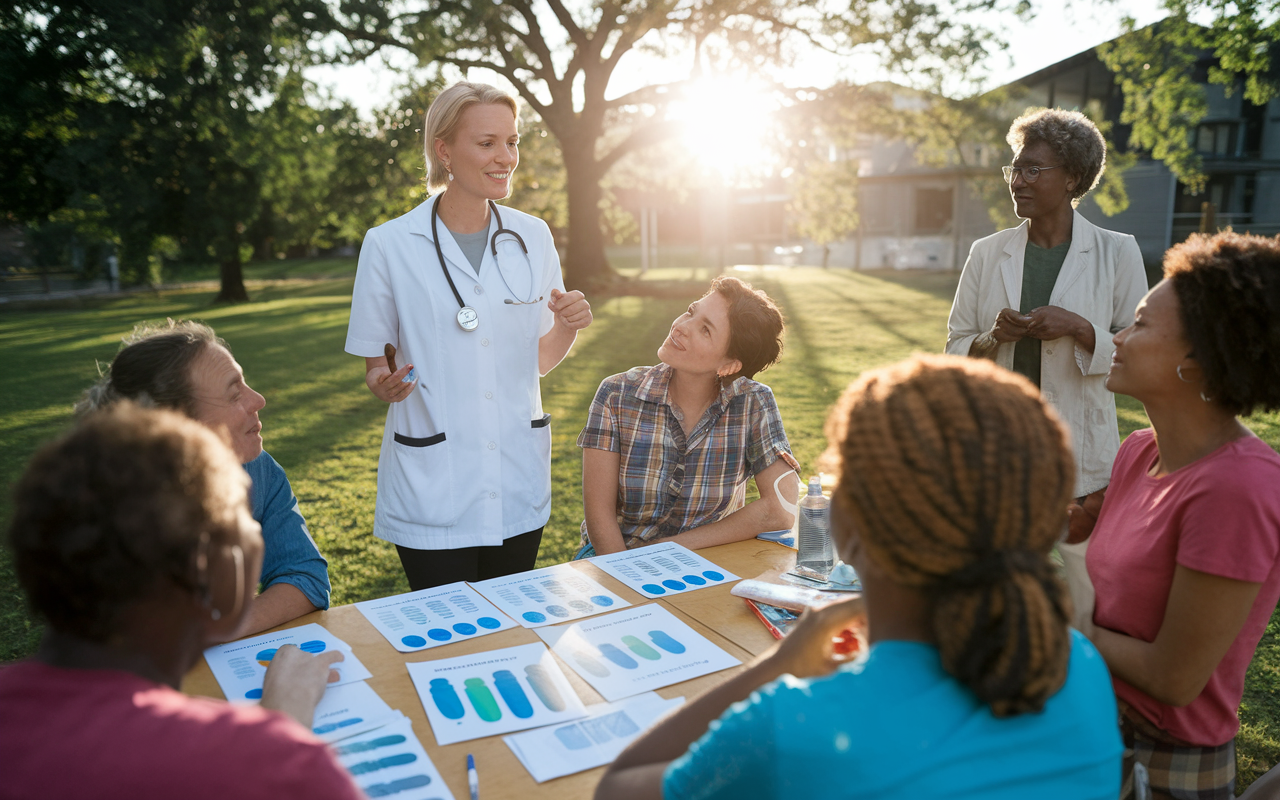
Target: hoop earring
(1205, 398)
(1184, 380)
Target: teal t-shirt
(1040, 268)
(897, 726)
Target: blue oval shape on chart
(695, 580)
(653, 588)
(440, 634)
(673, 585)
(254, 694)
(465, 628)
(488, 622)
(414, 641)
(534, 617)
(712, 575)
(602, 601)
(557, 611)
(313, 646)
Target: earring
(449, 171)
(1184, 380)
(1205, 397)
(215, 614)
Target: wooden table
(712, 612)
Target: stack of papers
(432, 617)
(390, 762)
(240, 666)
(592, 741)
(663, 569)
(345, 711)
(552, 594)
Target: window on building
(1218, 139)
(933, 210)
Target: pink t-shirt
(107, 734)
(1219, 515)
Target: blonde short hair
(444, 115)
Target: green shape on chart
(640, 648)
(482, 700)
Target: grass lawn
(321, 423)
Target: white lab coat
(466, 457)
(1102, 280)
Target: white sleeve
(374, 321)
(963, 325)
(552, 278)
(1130, 286)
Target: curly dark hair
(1228, 288)
(755, 325)
(153, 367)
(117, 505)
(1071, 135)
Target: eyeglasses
(1029, 174)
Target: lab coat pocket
(419, 486)
(539, 461)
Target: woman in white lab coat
(472, 300)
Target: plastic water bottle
(813, 537)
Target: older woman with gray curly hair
(1044, 299)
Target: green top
(1040, 268)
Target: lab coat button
(1049, 351)
(484, 342)
(493, 446)
(479, 290)
(492, 495)
(488, 395)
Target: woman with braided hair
(953, 477)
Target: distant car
(789, 253)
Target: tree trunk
(586, 263)
(232, 274)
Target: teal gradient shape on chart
(640, 648)
(590, 664)
(618, 657)
(396, 787)
(464, 628)
(397, 760)
(440, 634)
(673, 584)
(572, 737)
(414, 641)
(557, 611)
(253, 694)
(534, 617)
(694, 579)
(663, 639)
(373, 744)
(446, 699)
(544, 687)
(602, 601)
(489, 623)
(313, 646)
(653, 588)
(513, 693)
(330, 727)
(712, 575)
(482, 700)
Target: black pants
(428, 568)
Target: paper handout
(432, 617)
(663, 569)
(636, 650)
(593, 741)
(498, 691)
(239, 666)
(552, 594)
(390, 762)
(347, 710)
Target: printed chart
(636, 650)
(390, 762)
(663, 569)
(347, 710)
(552, 594)
(592, 741)
(499, 691)
(432, 617)
(239, 666)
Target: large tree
(563, 58)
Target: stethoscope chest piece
(468, 319)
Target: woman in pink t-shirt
(1185, 555)
(132, 537)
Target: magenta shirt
(1219, 515)
(108, 734)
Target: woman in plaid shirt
(667, 450)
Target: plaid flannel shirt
(669, 483)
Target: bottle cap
(815, 486)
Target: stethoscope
(468, 319)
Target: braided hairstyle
(955, 476)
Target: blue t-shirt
(290, 555)
(898, 726)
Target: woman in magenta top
(1185, 556)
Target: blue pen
(473, 780)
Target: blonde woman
(472, 300)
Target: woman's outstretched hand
(388, 386)
(295, 681)
(810, 649)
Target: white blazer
(1102, 280)
(466, 457)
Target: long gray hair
(153, 367)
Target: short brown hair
(755, 325)
(1228, 288)
(117, 505)
(153, 367)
